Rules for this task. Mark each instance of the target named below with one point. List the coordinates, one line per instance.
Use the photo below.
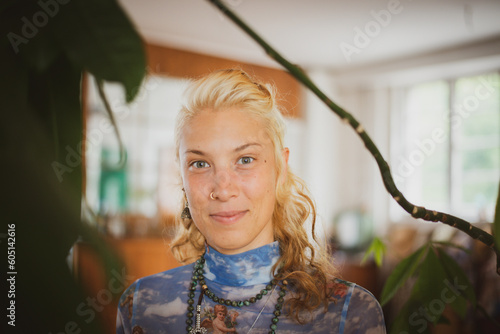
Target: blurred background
(423, 77)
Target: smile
(228, 217)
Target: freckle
(265, 161)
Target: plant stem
(413, 210)
(123, 154)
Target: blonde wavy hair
(304, 263)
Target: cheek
(260, 186)
(196, 187)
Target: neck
(244, 269)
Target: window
(446, 149)
(129, 198)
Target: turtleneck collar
(244, 269)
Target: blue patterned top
(157, 304)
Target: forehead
(231, 126)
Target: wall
(340, 172)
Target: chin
(229, 247)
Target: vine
(414, 210)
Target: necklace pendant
(198, 329)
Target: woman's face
(228, 153)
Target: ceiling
(341, 34)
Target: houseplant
(46, 48)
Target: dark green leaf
(97, 36)
(33, 43)
(44, 209)
(401, 273)
(41, 129)
(429, 287)
(459, 288)
(496, 223)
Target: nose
(225, 185)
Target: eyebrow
(237, 149)
(244, 146)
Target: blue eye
(200, 164)
(245, 160)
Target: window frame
(400, 147)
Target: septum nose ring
(212, 195)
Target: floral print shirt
(157, 304)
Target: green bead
(198, 278)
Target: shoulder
(162, 281)
(361, 312)
(156, 294)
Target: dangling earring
(186, 214)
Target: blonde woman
(242, 231)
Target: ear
(285, 153)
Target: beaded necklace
(199, 278)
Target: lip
(228, 217)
